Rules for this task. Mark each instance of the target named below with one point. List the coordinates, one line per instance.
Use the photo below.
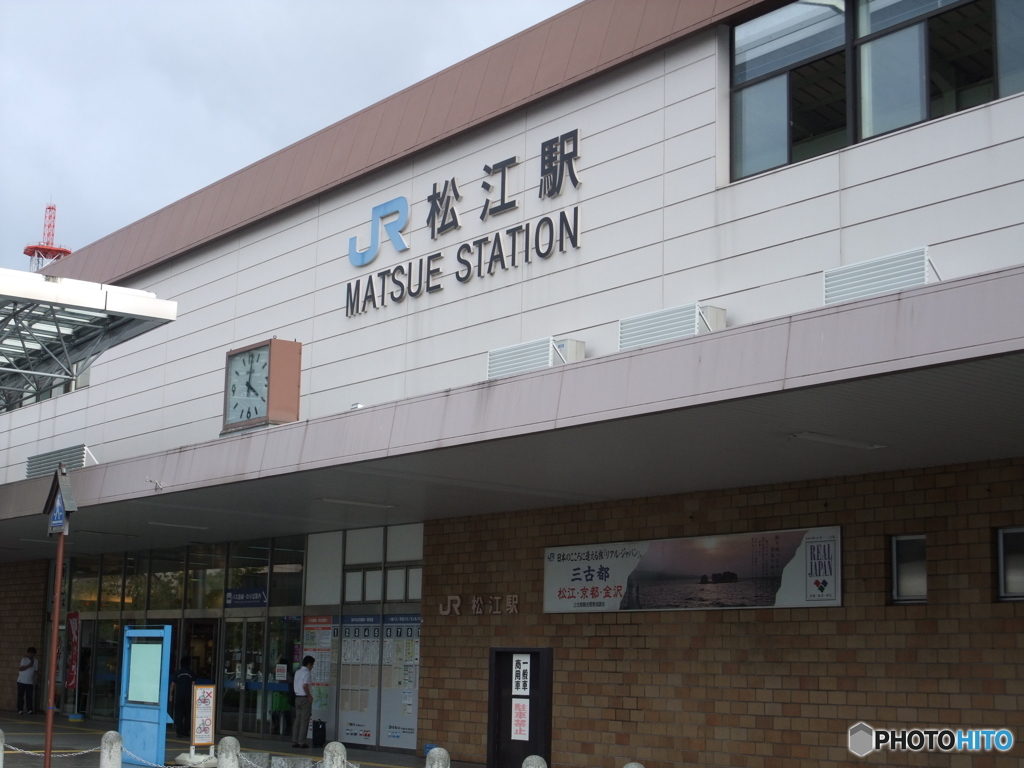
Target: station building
(674, 348)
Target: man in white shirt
(303, 702)
(26, 679)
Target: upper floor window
(818, 75)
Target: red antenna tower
(44, 253)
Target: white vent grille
(656, 327)
(520, 358)
(46, 463)
(873, 278)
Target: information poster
(399, 686)
(320, 640)
(202, 715)
(774, 569)
(360, 671)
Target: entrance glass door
(242, 684)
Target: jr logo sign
(394, 229)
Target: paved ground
(27, 732)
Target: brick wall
(744, 688)
(22, 617)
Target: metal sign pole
(60, 503)
(58, 575)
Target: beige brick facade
(22, 622)
(744, 688)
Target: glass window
(961, 59)
(248, 565)
(876, 15)
(205, 582)
(364, 546)
(913, 60)
(373, 586)
(107, 668)
(1010, 45)
(353, 586)
(909, 569)
(136, 580)
(110, 582)
(892, 81)
(396, 585)
(405, 542)
(85, 583)
(167, 577)
(818, 107)
(760, 132)
(286, 570)
(415, 584)
(1011, 563)
(793, 33)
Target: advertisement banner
(773, 569)
(74, 626)
(202, 715)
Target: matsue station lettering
(482, 257)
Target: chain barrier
(53, 754)
(191, 764)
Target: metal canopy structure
(51, 328)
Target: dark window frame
(852, 48)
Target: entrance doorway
(242, 684)
(201, 647)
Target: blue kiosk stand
(145, 677)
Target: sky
(113, 109)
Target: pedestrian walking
(27, 673)
(181, 697)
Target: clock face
(247, 385)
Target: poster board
(203, 697)
(399, 686)
(772, 569)
(360, 671)
(320, 639)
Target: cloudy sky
(112, 109)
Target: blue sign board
(57, 516)
(145, 673)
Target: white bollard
(633, 765)
(335, 755)
(110, 750)
(1, 748)
(535, 761)
(227, 753)
(438, 757)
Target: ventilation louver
(873, 278)
(46, 463)
(668, 324)
(520, 358)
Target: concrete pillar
(110, 750)
(438, 757)
(335, 755)
(535, 761)
(227, 753)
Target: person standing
(303, 702)
(27, 672)
(181, 697)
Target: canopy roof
(52, 328)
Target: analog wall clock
(261, 384)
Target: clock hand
(250, 388)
